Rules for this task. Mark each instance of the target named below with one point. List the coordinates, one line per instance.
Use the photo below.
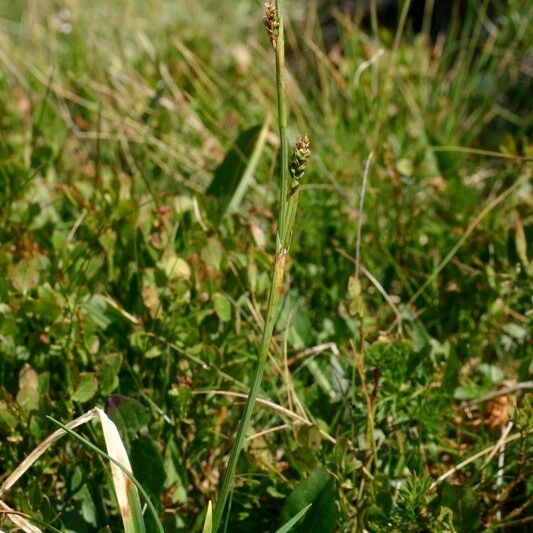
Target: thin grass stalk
(272, 311)
(287, 210)
(282, 123)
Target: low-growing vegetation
(142, 217)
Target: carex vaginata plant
(290, 174)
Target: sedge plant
(290, 174)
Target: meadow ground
(138, 208)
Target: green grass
(121, 286)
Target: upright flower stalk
(290, 175)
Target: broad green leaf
(233, 176)
(96, 307)
(318, 489)
(128, 414)
(222, 307)
(86, 389)
(320, 378)
(175, 267)
(81, 494)
(493, 373)
(49, 303)
(405, 166)
(24, 275)
(153, 352)
(212, 253)
(108, 373)
(517, 332)
(420, 336)
(148, 465)
(295, 316)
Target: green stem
(282, 121)
(287, 212)
(292, 206)
(273, 306)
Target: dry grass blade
(500, 445)
(18, 519)
(279, 408)
(491, 450)
(513, 389)
(15, 517)
(41, 449)
(127, 495)
(262, 401)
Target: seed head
(300, 155)
(271, 23)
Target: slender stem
(273, 306)
(292, 205)
(282, 120)
(287, 211)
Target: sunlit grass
(118, 278)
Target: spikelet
(299, 157)
(271, 23)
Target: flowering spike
(271, 23)
(300, 155)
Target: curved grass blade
(287, 526)
(100, 452)
(125, 490)
(19, 519)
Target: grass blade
(287, 526)
(101, 452)
(125, 490)
(19, 519)
(208, 524)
